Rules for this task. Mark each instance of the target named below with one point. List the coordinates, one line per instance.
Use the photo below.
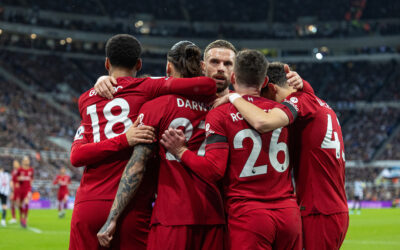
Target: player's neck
(247, 91)
(223, 92)
(285, 92)
(118, 72)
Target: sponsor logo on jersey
(92, 93)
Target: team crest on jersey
(294, 99)
(79, 133)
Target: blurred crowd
(227, 11)
(329, 22)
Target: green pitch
(373, 229)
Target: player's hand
(105, 235)
(174, 141)
(293, 78)
(104, 86)
(143, 134)
(222, 100)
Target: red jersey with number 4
(318, 155)
(100, 143)
(183, 198)
(62, 181)
(258, 173)
(25, 178)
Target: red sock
(13, 211)
(21, 212)
(26, 210)
(59, 206)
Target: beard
(221, 81)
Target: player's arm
(130, 181)
(211, 167)
(55, 181)
(261, 120)
(84, 153)
(195, 86)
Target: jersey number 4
(249, 168)
(328, 143)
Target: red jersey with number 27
(318, 155)
(258, 171)
(183, 198)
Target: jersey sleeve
(195, 88)
(212, 166)
(289, 110)
(300, 104)
(85, 153)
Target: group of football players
(182, 162)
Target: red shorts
(88, 217)
(324, 231)
(193, 237)
(61, 195)
(265, 229)
(22, 194)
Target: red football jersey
(100, 143)
(63, 181)
(25, 177)
(183, 198)
(258, 172)
(318, 155)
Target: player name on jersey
(193, 105)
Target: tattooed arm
(130, 181)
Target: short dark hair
(186, 58)
(276, 73)
(220, 44)
(250, 68)
(123, 50)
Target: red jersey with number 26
(318, 155)
(183, 198)
(258, 171)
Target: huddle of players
(186, 168)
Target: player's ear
(138, 65)
(203, 67)
(233, 78)
(107, 64)
(272, 88)
(169, 69)
(265, 82)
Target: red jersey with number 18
(258, 173)
(318, 155)
(183, 198)
(103, 127)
